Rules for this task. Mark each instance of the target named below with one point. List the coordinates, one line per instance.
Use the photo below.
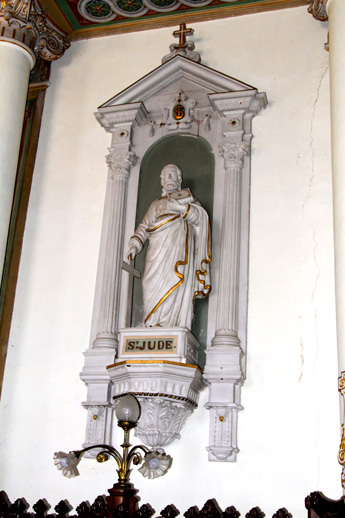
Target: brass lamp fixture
(155, 463)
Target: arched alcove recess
(195, 158)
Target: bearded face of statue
(170, 179)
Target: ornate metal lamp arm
(102, 455)
(156, 462)
(123, 461)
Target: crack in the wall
(311, 144)
(301, 346)
(315, 247)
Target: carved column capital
(120, 163)
(318, 9)
(25, 22)
(233, 153)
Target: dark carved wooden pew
(316, 503)
(321, 507)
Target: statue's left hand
(177, 206)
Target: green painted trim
(71, 18)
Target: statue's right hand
(132, 252)
(135, 248)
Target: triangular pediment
(178, 69)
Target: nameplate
(137, 344)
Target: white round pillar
(336, 24)
(16, 61)
(336, 18)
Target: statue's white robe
(177, 262)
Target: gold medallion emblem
(179, 111)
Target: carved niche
(185, 99)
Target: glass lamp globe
(128, 410)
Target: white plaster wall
(289, 429)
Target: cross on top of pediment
(183, 48)
(181, 35)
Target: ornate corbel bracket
(168, 393)
(318, 9)
(154, 428)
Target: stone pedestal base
(175, 343)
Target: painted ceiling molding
(89, 18)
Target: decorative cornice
(224, 104)
(111, 116)
(25, 21)
(318, 9)
(110, 121)
(247, 101)
(258, 103)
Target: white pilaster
(16, 61)
(223, 368)
(119, 169)
(104, 337)
(224, 358)
(227, 298)
(104, 348)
